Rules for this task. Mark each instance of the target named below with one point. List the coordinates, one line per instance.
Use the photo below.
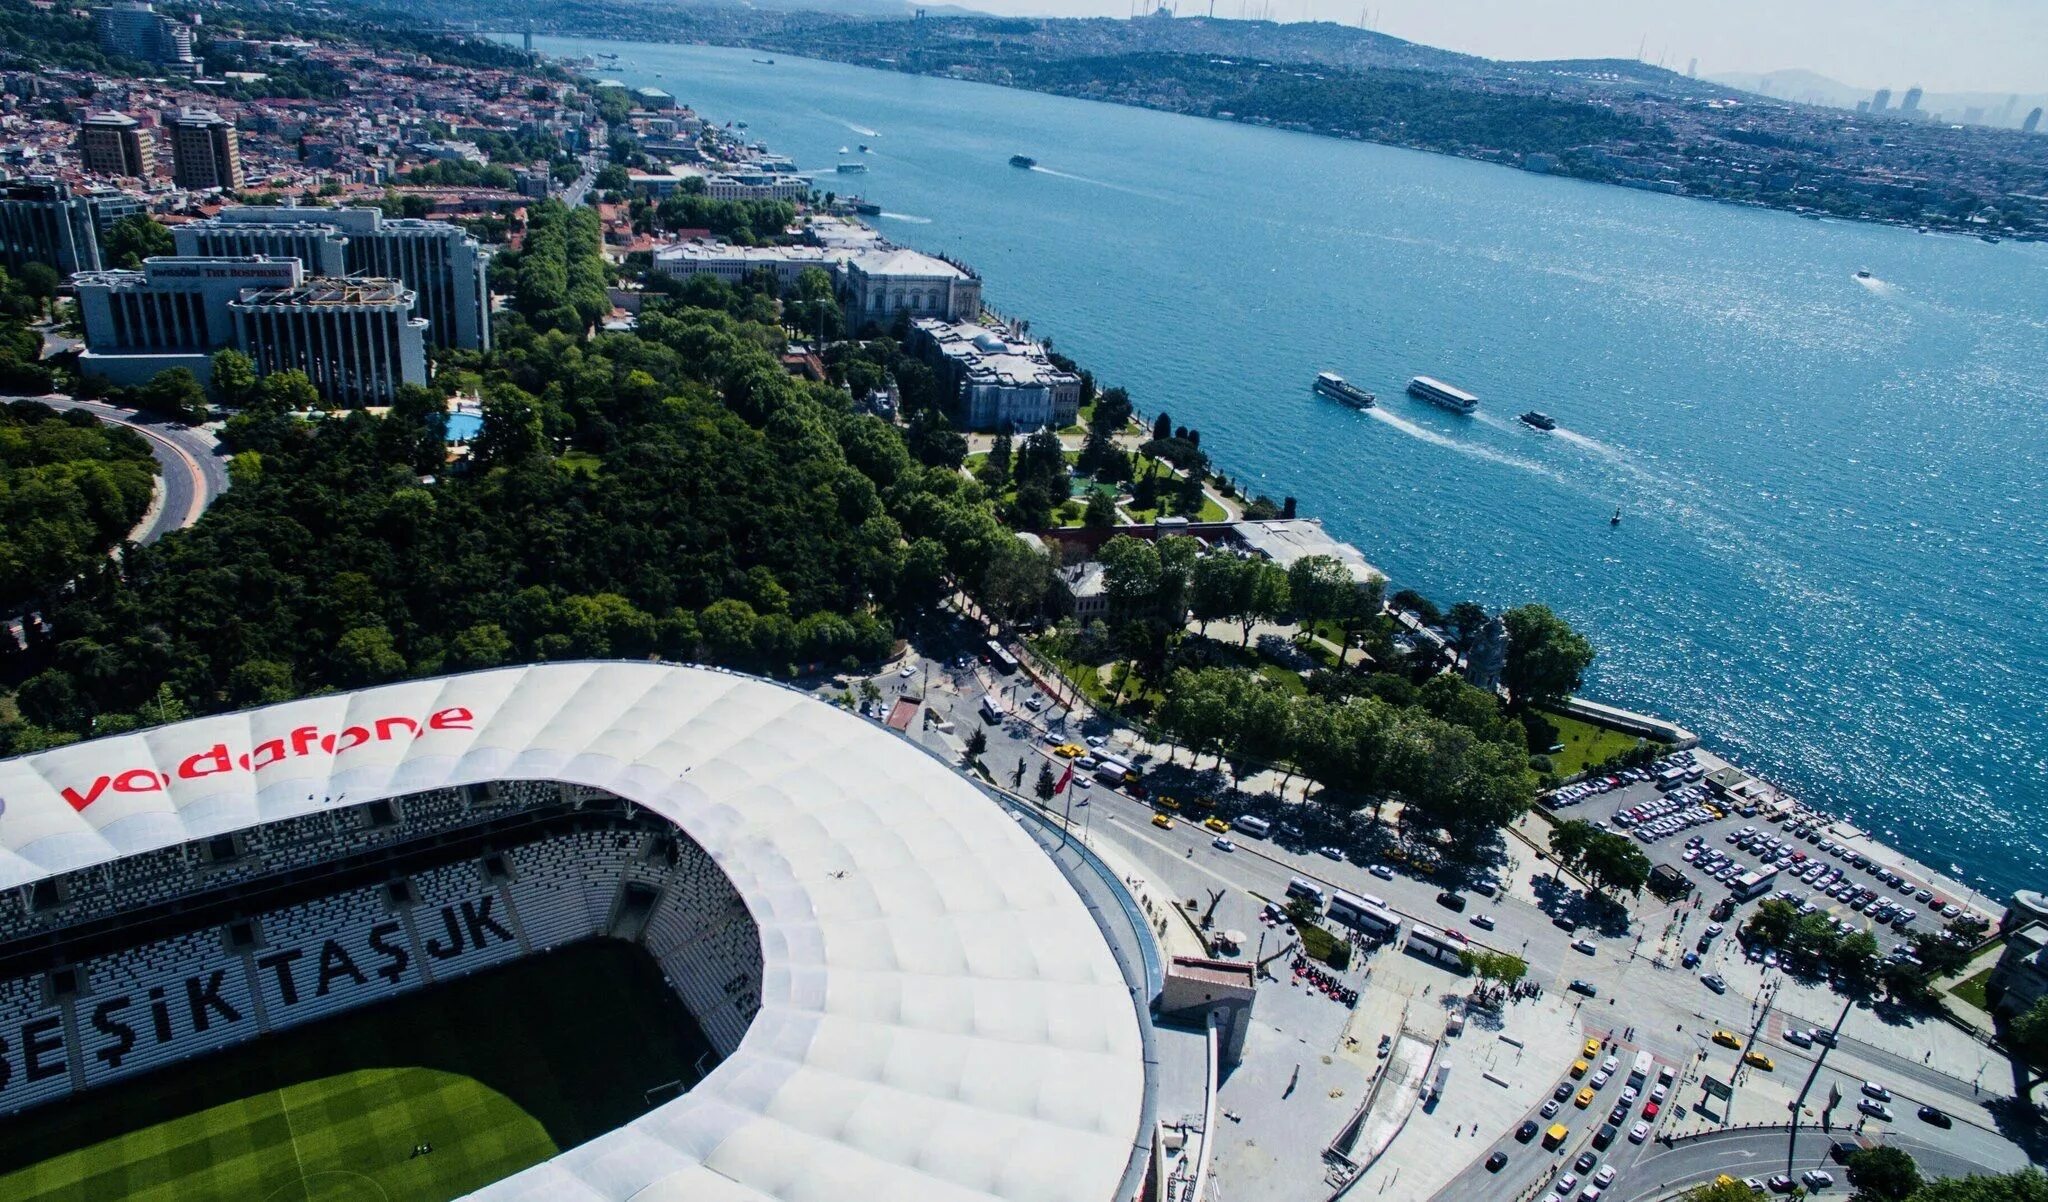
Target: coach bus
(1001, 660)
(1432, 944)
(1367, 916)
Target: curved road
(1760, 1152)
(193, 471)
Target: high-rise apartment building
(2033, 121)
(1881, 101)
(1911, 104)
(441, 263)
(117, 144)
(134, 29)
(205, 153)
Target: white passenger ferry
(1436, 392)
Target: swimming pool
(464, 427)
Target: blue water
(1835, 545)
(464, 427)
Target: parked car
(1527, 1131)
(1496, 1162)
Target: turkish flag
(1066, 778)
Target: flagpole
(1067, 787)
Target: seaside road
(193, 471)
(1760, 1152)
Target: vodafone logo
(220, 759)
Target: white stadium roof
(941, 1018)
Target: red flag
(1066, 778)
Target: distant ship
(1863, 273)
(766, 62)
(1337, 388)
(1542, 421)
(867, 208)
(852, 168)
(863, 147)
(1436, 392)
(1022, 160)
(846, 150)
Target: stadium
(567, 931)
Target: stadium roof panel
(941, 1017)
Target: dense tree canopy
(70, 488)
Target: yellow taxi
(1167, 803)
(1162, 822)
(1070, 751)
(1592, 1048)
(1584, 1099)
(1557, 1134)
(1759, 1060)
(1727, 1039)
(1217, 824)
(1579, 1068)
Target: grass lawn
(584, 462)
(1584, 744)
(497, 1072)
(1971, 990)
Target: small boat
(1863, 273)
(867, 208)
(1616, 519)
(1337, 388)
(1022, 160)
(852, 168)
(846, 150)
(1989, 237)
(1541, 421)
(863, 147)
(766, 62)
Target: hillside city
(342, 354)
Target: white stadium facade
(908, 997)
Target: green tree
(484, 645)
(1546, 658)
(1883, 1174)
(1045, 786)
(1615, 862)
(366, 656)
(234, 377)
(1130, 574)
(175, 393)
(977, 743)
(1772, 923)
(1570, 841)
(1101, 511)
(134, 238)
(2027, 1185)
(289, 391)
(1728, 1191)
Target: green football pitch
(492, 1073)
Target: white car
(1566, 1184)
(1382, 871)
(1605, 1177)
(1638, 1133)
(1222, 844)
(1657, 1095)
(1483, 921)
(1584, 945)
(907, 671)
(1817, 1178)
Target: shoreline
(1900, 858)
(1338, 136)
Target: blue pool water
(464, 427)
(1835, 540)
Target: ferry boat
(1436, 392)
(1022, 160)
(1337, 388)
(766, 62)
(867, 208)
(1541, 421)
(852, 168)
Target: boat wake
(1099, 183)
(1587, 443)
(862, 130)
(904, 217)
(1425, 434)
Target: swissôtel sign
(223, 759)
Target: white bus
(1432, 944)
(991, 709)
(1305, 890)
(1639, 1073)
(1368, 916)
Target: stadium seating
(188, 994)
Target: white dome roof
(941, 1018)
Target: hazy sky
(1942, 45)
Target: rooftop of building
(1285, 540)
(355, 290)
(902, 261)
(993, 354)
(700, 251)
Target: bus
(1432, 944)
(1639, 1073)
(992, 709)
(1252, 824)
(1001, 660)
(1368, 916)
(1305, 890)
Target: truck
(1112, 771)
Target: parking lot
(1671, 810)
